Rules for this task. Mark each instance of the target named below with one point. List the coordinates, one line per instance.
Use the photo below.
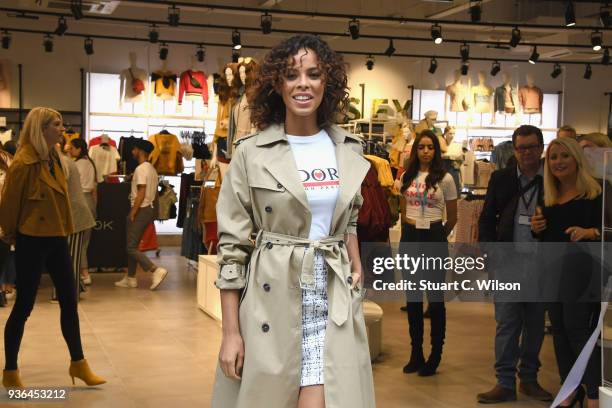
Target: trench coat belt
(330, 247)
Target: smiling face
(53, 131)
(561, 163)
(303, 87)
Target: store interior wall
(53, 79)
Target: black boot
(438, 332)
(415, 326)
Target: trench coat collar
(352, 167)
(30, 156)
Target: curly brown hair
(266, 104)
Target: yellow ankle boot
(11, 379)
(80, 369)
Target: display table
(209, 297)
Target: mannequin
(456, 95)
(531, 97)
(505, 98)
(164, 82)
(130, 89)
(240, 120)
(228, 92)
(481, 95)
(429, 122)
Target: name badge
(423, 224)
(524, 219)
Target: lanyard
(532, 185)
(422, 196)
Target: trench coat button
(265, 327)
(268, 209)
(341, 244)
(349, 280)
(266, 287)
(279, 186)
(269, 245)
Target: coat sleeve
(355, 207)
(12, 201)
(235, 225)
(487, 224)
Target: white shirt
(434, 201)
(88, 174)
(105, 159)
(144, 174)
(315, 157)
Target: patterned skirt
(314, 323)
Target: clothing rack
(117, 131)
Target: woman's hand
(356, 275)
(231, 356)
(538, 222)
(580, 234)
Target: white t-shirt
(315, 157)
(144, 174)
(105, 159)
(434, 201)
(88, 174)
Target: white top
(105, 159)
(434, 201)
(144, 174)
(88, 174)
(315, 157)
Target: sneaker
(127, 282)
(158, 277)
(86, 281)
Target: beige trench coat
(262, 194)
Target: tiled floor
(157, 349)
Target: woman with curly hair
(293, 327)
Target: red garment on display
(374, 218)
(148, 242)
(211, 240)
(98, 140)
(193, 83)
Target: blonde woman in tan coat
(294, 334)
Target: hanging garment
(374, 218)
(481, 98)
(483, 173)
(467, 169)
(501, 154)
(164, 84)
(193, 83)
(505, 100)
(383, 170)
(209, 196)
(132, 85)
(6, 135)
(126, 144)
(223, 116)
(98, 140)
(166, 157)
(531, 99)
(167, 200)
(105, 158)
(191, 243)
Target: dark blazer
(496, 223)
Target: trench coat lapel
(283, 167)
(352, 169)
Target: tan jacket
(262, 194)
(34, 202)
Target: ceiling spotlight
(436, 34)
(433, 66)
(6, 40)
(604, 17)
(266, 23)
(236, 42)
(556, 71)
(235, 55)
(354, 28)
(570, 14)
(62, 26)
(588, 72)
(390, 49)
(516, 37)
(174, 16)
(153, 34)
(48, 43)
(465, 52)
(201, 53)
(163, 51)
(370, 63)
(465, 68)
(596, 40)
(89, 49)
(534, 56)
(475, 11)
(495, 68)
(76, 7)
(605, 60)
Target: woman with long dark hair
(87, 169)
(428, 192)
(290, 339)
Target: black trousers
(32, 256)
(437, 310)
(572, 325)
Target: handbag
(137, 84)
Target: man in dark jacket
(512, 197)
